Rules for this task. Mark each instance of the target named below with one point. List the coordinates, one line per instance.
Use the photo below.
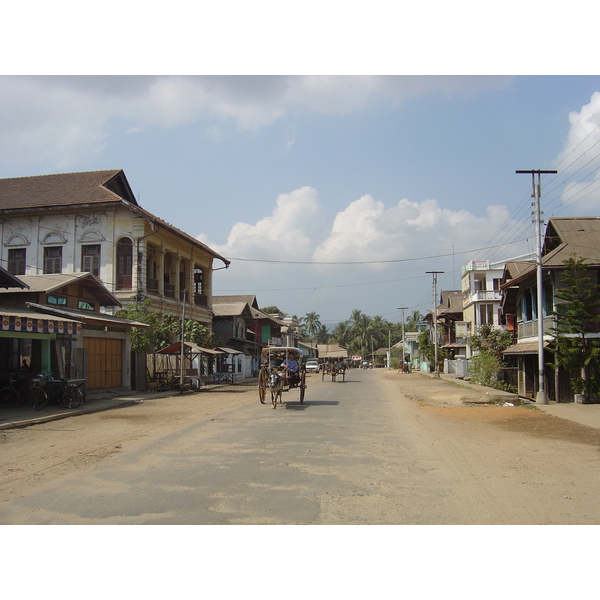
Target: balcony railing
(152, 286)
(200, 300)
(483, 296)
(529, 329)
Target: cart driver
(290, 364)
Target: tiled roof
(71, 189)
(64, 189)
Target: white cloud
(579, 161)
(365, 231)
(57, 119)
(286, 234)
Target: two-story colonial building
(92, 222)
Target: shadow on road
(298, 406)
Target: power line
(367, 262)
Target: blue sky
(329, 193)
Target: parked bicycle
(18, 393)
(60, 391)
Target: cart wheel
(302, 387)
(263, 378)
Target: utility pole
(403, 308)
(181, 349)
(541, 396)
(436, 373)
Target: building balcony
(482, 296)
(529, 329)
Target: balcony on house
(529, 329)
(201, 300)
(482, 296)
(152, 286)
(169, 290)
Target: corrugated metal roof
(48, 283)
(568, 235)
(84, 315)
(524, 348)
(176, 349)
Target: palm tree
(323, 335)
(355, 316)
(411, 322)
(362, 330)
(341, 333)
(312, 323)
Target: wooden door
(105, 363)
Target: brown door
(104, 361)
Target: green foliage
(490, 340)
(484, 369)
(312, 325)
(576, 316)
(412, 321)
(273, 310)
(164, 329)
(427, 349)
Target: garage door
(104, 360)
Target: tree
(322, 335)
(312, 324)
(411, 322)
(490, 340)
(341, 334)
(361, 334)
(489, 345)
(164, 329)
(273, 310)
(576, 317)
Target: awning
(22, 321)
(229, 351)
(194, 348)
(455, 345)
(83, 316)
(524, 348)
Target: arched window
(124, 264)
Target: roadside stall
(165, 371)
(226, 365)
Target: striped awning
(27, 321)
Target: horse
(276, 384)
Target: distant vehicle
(312, 366)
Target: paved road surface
(357, 452)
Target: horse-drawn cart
(278, 376)
(334, 368)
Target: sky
(336, 153)
(328, 193)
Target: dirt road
(423, 457)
